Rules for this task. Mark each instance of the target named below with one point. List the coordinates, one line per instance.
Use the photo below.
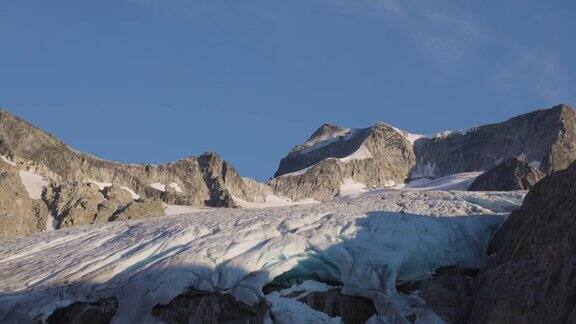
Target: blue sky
(158, 80)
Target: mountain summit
(384, 156)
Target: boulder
(100, 312)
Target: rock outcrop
(512, 174)
(377, 156)
(19, 213)
(197, 306)
(78, 203)
(140, 209)
(100, 312)
(351, 309)
(531, 278)
(448, 293)
(196, 181)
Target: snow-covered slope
(367, 244)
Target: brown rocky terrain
(531, 278)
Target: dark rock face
(207, 307)
(547, 136)
(512, 174)
(448, 293)
(205, 181)
(378, 156)
(532, 276)
(351, 309)
(100, 312)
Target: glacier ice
(366, 244)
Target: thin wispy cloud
(534, 72)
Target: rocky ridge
(384, 156)
(74, 188)
(206, 180)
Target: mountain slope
(197, 181)
(336, 158)
(377, 156)
(547, 137)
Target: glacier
(367, 245)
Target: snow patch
(288, 310)
(101, 185)
(409, 136)
(536, 164)
(351, 189)
(51, 223)
(326, 139)
(33, 183)
(134, 195)
(305, 288)
(361, 154)
(158, 186)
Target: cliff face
(546, 137)
(532, 276)
(197, 181)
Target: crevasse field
(366, 244)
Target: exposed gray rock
(512, 174)
(351, 309)
(531, 278)
(448, 293)
(547, 136)
(197, 306)
(139, 209)
(118, 195)
(100, 312)
(377, 156)
(204, 181)
(19, 214)
(77, 204)
(317, 168)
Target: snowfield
(367, 244)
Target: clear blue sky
(154, 81)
